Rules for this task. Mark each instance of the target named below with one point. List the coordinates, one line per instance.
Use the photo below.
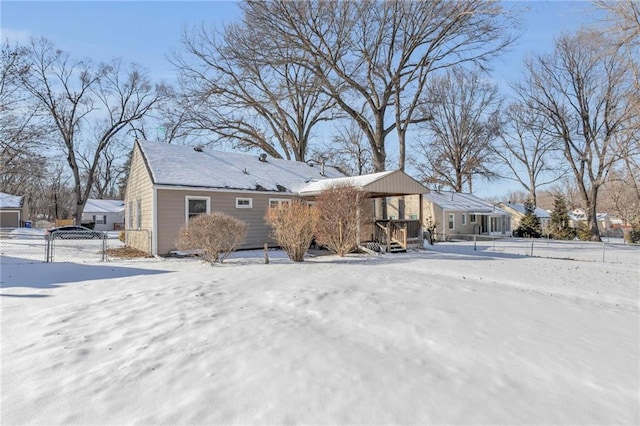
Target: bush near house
(293, 227)
(216, 234)
(342, 209)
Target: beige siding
(433, 213)
(172, 212)
(395, 183)
(139, 201)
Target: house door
(483, 224)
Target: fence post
(531, 247)
(603, 250)
(48, 254)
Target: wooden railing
(403, 232)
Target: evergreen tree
(559, 226)
(530, 226)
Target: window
(244, 203)
(100, 220)
(464, 219)
(451, 221)
(139, 216)
(413, 217)
(472, 218)
(277, 202)
(196, 206)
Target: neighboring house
(107, 215)
(13, 210)
(579, 216)
(454, 213)
(169, 183)
(518, 211)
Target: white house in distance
(13, 210)
(108, 215)
(579, 216)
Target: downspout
(154, 224)
(421, 218)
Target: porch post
(421, 218)
(358, 219)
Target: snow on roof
(541, 213)
(579, 214)
(181, 165)
(460, 201)
(8, 201)
(103, 206)
(355, 181)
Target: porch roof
(382, 184)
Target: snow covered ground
(446, 335)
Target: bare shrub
(293, 227)
(216, 234)
(342, 210)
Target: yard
(451, 334)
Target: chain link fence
(24, 245)
(610, 250)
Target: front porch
(392, 235)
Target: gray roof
(181, 165)
(462, 202)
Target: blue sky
(147, 32)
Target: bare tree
(624, 19)
(526, 150)
(348, 150)
(109, 172)
(619, 196)
(458, 142)
(623, 24)
(22, 128)
(233, 89)
(582, 90)
(88, 106)
(375, 58)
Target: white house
(108, 215)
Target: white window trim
(186, 206)
(241, 206)
(279, 201)
(451, 224)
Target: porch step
(395, 248)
